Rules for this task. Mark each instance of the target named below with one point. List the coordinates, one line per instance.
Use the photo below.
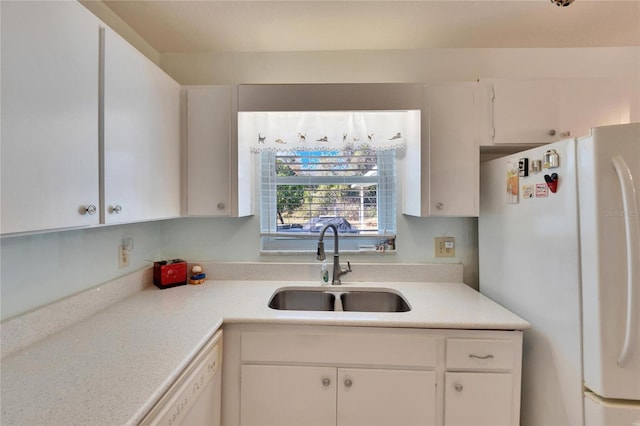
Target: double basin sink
(339, 299)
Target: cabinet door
(50, 59)
(441, 174)
(141, 151)
(287, 396)
(454, 180)
(540, 111)
(525, 111)
(209, 130)
(478, 399)
(371, 397)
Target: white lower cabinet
(370, 397)
(482, 383)
(305, 395)
(478, 399)
(316, 375)
(288, 395)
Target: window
(302, 191)
(327, 167)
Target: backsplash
(361, 272)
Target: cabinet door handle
(348, 383)
(458, 387)
(552, 132)
(326, 382)
(90, 210)
(116, 209)
(439, 206)
(220, 206)
(481, 356)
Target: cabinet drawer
(476, 354)
(344, 348)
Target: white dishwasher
(194, 398)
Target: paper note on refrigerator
(512, 182)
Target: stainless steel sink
(329, 299)
(374, 301)
(302, 300)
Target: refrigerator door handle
(632, 230)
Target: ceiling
(316, 25)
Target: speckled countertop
(111, 367)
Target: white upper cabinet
(219, 173)
(61, 166)
(141, 147)
(49, 136)
(441, 175)
(539, 111)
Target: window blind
(302, 191)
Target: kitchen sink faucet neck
(338, 271)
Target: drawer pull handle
(458, 387)
(348, 383)
(326, 382)
(481, 357)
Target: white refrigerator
(568, 261)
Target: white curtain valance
(322, 130)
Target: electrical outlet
(123, 257)
(445, 247)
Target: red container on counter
(170, 273)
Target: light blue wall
(238, 239)
(38, 269)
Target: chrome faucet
(337, 270)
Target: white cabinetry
(442, 174)
(478, 399)
(539, 111)
(219, 176)
(90, 127)
(479, 383)
(49, 136)
(297, 375)
(370, 397)
(288, 395)
(306, 395)
(141, 146)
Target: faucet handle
(348, 266)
